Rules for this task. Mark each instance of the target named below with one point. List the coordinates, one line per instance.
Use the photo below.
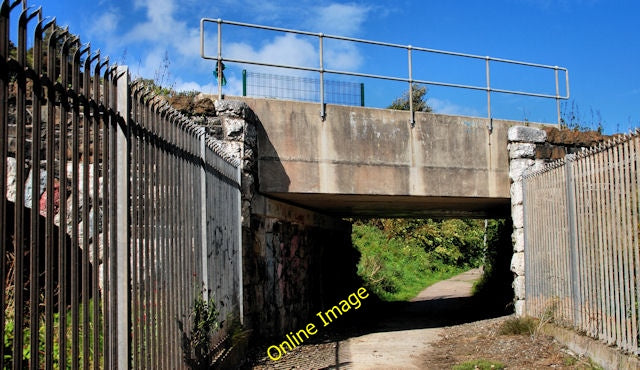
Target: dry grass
(519, 326)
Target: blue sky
(597, 40)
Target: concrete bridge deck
(367, 161)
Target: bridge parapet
(365, 161)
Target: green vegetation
(199, 346)
(580, 362)
(196, 344)
(26, 348)
(419, 103)
(479, 364)
(401, 257)
(10, 328)
(519, 326)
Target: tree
(419, 100)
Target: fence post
(529, 276)
(240, 267)
(121, 304)
(244, 82)
(572, 229)
(203, 214)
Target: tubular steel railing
(114, 209)
(321, 70)
(582, 257)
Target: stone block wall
(530, 149)
(298, 262)
(522, 158)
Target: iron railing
(582, 258)
(115, 210)
(321, 70)
(185, 228)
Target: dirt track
(439, 328)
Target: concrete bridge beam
(364, 161)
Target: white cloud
(295, 50)
(342, 57)
(209, 88)
(160, 28)
(159, 32)
(106, 23)
(339, 19)
(286, 49)
(444, 106)
(233, 87)
(159, 25)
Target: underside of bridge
(388, 206)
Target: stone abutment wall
(530, 149)
(295, 261)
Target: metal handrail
(321, 70)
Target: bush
(197, 344)
(452, 241)
(395, 269)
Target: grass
(479, 364)
(393, 270)
(569, 361)
(519, 326)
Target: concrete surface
(606, 356)
(383, 349)
(363, 161)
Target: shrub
(197, 345)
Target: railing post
(121, 194)
(203, 214)
(322, 107)
(412, 118)
(558, 95)
(488, 73)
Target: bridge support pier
(530, 149)
(522, 153)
